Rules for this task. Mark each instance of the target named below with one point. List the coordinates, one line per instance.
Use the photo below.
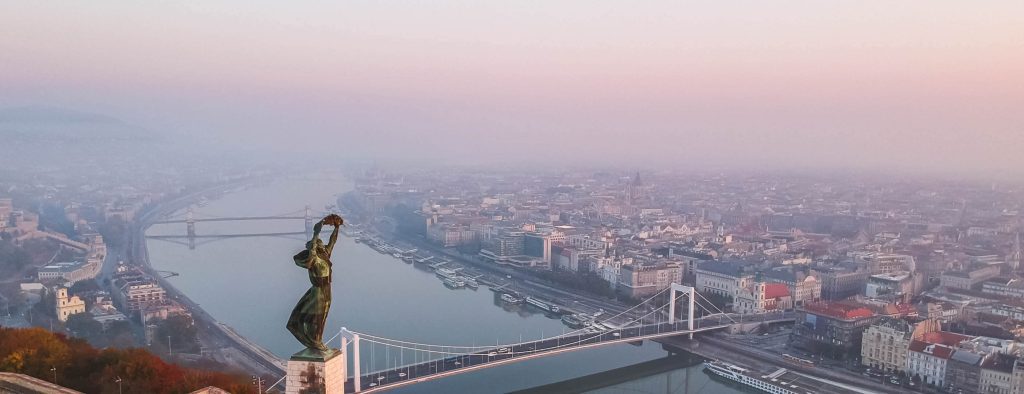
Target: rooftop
(944, 338)
(939, 351)
(775, 290)
(839, 310)
(731, 268)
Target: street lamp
(118, 381)
(54, 370)
(258, 382)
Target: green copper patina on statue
(309, 317)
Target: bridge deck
(420, 372)
(226, 235)
(232, 219)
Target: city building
(67, 306)
(1004, 286)
(537, 245)
(760, 297)
(802, 288)
(997, 374)
(501, 248)
(928, 357)
(449, 235)
(884, 263)
(896, 286)
(639, 280)
(136, 292)
(841, 282)
(70, 272)
(963, 371)
(1018, 375)
(927, 362)
(833, 329)
(884, 344)
(722, 278)
(967, 279)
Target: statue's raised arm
(337, 222)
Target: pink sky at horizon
(798, 82)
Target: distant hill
(65, 125)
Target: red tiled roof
(775, 290)
(938, 351)
(944, 338)
(839, 310)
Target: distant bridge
(192, 239)
(232, 219)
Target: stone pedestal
(314, 372)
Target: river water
(251, 284)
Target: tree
(84, 286)
(47, 305)
(120, 334)
(32, 351)
(113, 231)
(35, 351)
(182, 331)
(53, 217)
(13, 258)
(83, 325)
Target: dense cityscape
(911, 284)
(568, 197)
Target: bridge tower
(190, 223)
(690, 294)
(356, 373)
(309, 221)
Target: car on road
(401, 374)
(492, 354)
(503, 350)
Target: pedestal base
(312, 372)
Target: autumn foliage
(34, 351)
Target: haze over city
(748, 84)
(487, 197)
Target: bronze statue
(309, 317)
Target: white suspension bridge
(377, 363)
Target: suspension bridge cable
(581, 340)
(716, 308)
(364, 335)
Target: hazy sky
(909, 84)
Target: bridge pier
(190, 223)
(309, 222)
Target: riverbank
(523, 282)
(716, 348)
(215, 339)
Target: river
(251, 284)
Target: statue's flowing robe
(310, 315)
